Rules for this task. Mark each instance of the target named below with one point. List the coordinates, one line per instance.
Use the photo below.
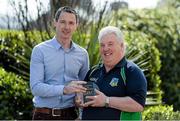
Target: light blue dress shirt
(51, 68)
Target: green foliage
(160, 113)
(144, 46)
(169, 45)
(141, 49)
(15, 97)
(90, 42)
(15, 50)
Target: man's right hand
(79, 100)
(74, 87)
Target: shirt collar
(73, 45)
(57, 45)
(121, 63)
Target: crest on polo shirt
(114, 82)
(93, 79)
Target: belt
(55, 111)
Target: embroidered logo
(93, 79)
(114, 82)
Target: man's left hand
(96, 101)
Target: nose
(67, 26)
(106, 48)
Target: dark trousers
(70, 114)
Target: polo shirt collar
(121, 63)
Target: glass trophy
(91, 86)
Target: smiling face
(65, 26)
(111, 50)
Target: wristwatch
(107, 102)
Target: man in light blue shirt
(56, 67)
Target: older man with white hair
(122, 84)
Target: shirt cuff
(59, 89)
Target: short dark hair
(68, 10)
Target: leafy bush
(15, 97)
(160, 113)
(142, 46)
(15, 50)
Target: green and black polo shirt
(112, 84)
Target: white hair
(109, 30)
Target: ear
(54, 23)
(122, 45)
(77, 25)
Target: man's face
(111, 50)
(66, 25)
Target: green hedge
(15, 50)
(15, 97)
(160, 113)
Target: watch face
(91, 86)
